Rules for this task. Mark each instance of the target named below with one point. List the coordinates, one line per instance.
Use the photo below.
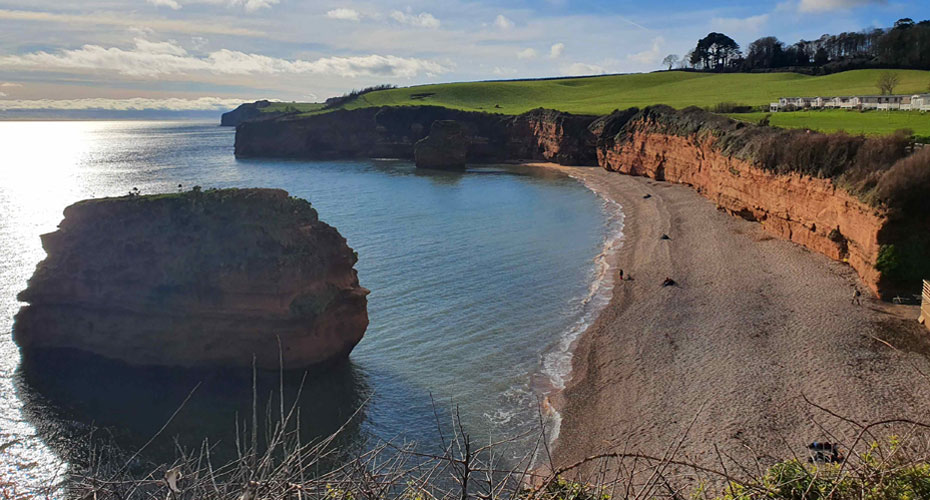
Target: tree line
(905, 45)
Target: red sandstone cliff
(207, 278)
(809, 211)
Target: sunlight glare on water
(480, 281)
(37, 177)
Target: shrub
(888, 262)
(335, 102)
(730, 107)
(905, 261)
(907, 183)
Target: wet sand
(754, 324)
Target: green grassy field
(287, 107)
(603, 94)
(854, 122)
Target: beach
(724, 359)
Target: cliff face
(544, 134)
(196, 279)
(809, 211)
(393, 132)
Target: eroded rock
(196, 279)
(446, 147)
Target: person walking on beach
(621, 275)
(856, 295)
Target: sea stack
(445, 148)
(197, 279)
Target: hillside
(603, 94)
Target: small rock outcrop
(247, 111)
(446, 147)
(197, 279)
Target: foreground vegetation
(853, 122)
(890, 468)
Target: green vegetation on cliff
(292, 107)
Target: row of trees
(906, 45)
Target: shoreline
(754, 325)
(554, 400)
(557, 363)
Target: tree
(903, 24)
(821, 57)
(767, 52)
(715, 51)
(887, 82)
(671, 60)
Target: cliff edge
(249, 111)
(196, 279)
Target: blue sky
(209, 54)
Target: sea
(481, 281)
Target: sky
(195, 55)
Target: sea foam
(557, 362)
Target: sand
(754, 324)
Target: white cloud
(499, 71)
(503, 22)
(828, 5)
(198, 42)
(527, 54)
(127, 21)
(171, 4)
(248, 5)
(751, 24)
(556, 50)
(422, 20)
(133, 104)
(154, 59)
(577, 69)
(650, 56)
(345, 14)
(252, 5)
(170, 48)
